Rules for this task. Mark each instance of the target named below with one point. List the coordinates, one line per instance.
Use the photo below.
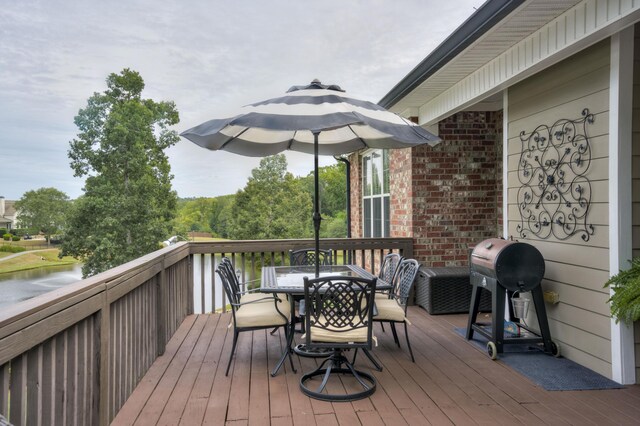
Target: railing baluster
(213, 282)
(5, 369)
(202, 270)
(253, 267)
(17, 412)
(47, 388)
(243, 274)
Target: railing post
(190, 287)
(104, 362)
(161, 311)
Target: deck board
(452, 382)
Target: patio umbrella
(317, 119)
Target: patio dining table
(290, 280)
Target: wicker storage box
(447, 291)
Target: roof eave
(485, 18)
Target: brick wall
(499, 194)
(455, 190)
(448, 197)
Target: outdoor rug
(548, 372)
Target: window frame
(376, 204)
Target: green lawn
(34, 260)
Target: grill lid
(515, 265)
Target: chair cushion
(263, 314)
(249, 297)
(324, 335)
(389, 310)
(380, 296)
(328, 335)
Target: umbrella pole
(317, 219)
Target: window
(375, 194)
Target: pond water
(18, 286)
(197, 289)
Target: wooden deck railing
(74, 355)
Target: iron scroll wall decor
(555, 194)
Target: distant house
(8, 214)
(538, 107)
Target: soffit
(527, 19)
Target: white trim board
(584, 24)
(620, 228)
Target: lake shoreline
(33, 259)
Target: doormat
(548, 372)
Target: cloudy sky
(209, 57)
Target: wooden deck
(451, 382)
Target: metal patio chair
(388, 268)
(338, 317)
(394, 309)
(307, 257)
(252, 311)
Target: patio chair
(388, 268)
(394, 309)
(244, 295)
(307, 257)
(338, 317)
(253, 311)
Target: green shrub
(6, 237)
(15, 238)
(3, 231)
(12, 249)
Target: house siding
(575, 269)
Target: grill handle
(479, 256)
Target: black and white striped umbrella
(289, 122)
(317, 119)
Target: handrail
(75, 354)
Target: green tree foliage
(194, 215)
(128, 204)
(220, 221)
(333, 199)
(272, 205)
(44, 209)
(334, 227)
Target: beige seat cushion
(389, 310)
(249, 297)
(263, 314)
(381, 296)
(331, 334)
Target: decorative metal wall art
(555, 194)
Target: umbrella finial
(316, 81)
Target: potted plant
(625, 301)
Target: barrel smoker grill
(505, 267)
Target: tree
(221, 218)
(128, 203)
(44, 209)
(194, 215)
(272, 205)
(333, 199)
